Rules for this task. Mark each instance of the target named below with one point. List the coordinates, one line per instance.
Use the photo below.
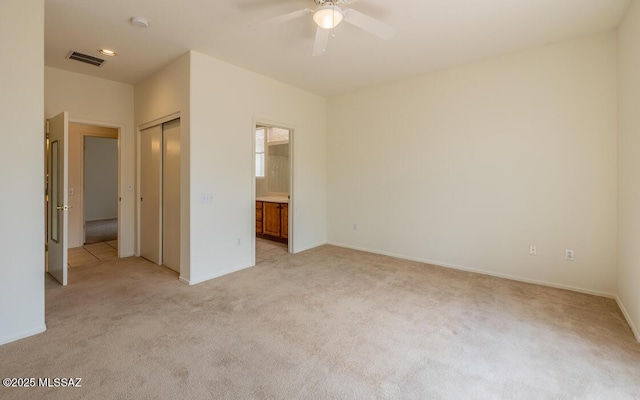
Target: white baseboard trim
(22, 335)
(301, 249)
(635, 330)
(217, 274)
(480, 271)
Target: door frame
(121, 181)
(83, 182)
(291, 128)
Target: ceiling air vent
(87, 59)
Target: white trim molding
(22, 335)
(633, 327)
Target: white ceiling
(431, 35)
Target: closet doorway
(160, 194)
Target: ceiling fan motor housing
(327, 2)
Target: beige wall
(629, 167)
(100, 102)
(22, 169)
(77, 133)
(468, 167)
(225, 103)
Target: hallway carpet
(103, 230)
(328, 323)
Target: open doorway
(273, 190)
(100, 190)
(93, 194)
(65, 197)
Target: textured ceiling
(430, 35)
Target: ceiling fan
(327, 15)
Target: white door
(171, 195)
(58, 205)
(151, 194)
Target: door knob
(64, 208)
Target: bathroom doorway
(273, 173)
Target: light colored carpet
(328, 323)
(267, 250)
(104, 230)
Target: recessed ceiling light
(107, 52)
(140, 22)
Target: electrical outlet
(238, 242)
(355, 227)
(568, 254)
(533, 251)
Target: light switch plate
(206, 198)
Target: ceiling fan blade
(320, 44)
(371, 25)
(283, 18)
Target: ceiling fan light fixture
(328, 16)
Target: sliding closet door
(171, 195)
(151, 194)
